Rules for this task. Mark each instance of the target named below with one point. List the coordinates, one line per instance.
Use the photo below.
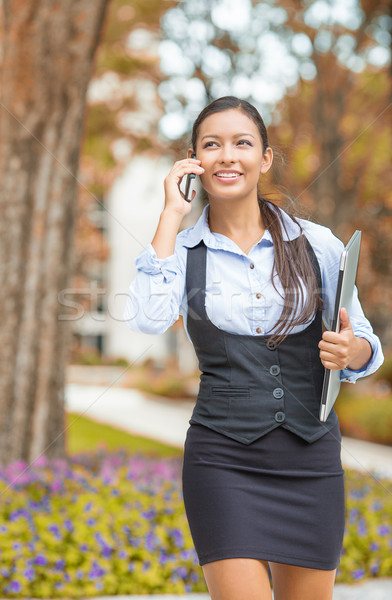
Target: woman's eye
(207, 144)
(245, 142)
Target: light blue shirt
(239, 298)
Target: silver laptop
(344, 294)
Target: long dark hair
(291, 260)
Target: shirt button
(271, 346)
(275, 370)
(258, 295)
(279, 416)
(251, 266)
(278, 393)
(258, 330)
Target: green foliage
(365, 417)
(368, 541)
(85, 435)
(92, 357)
(384, 373)
(116, 524)
(120, 63)
(76, 534)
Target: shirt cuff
(351, 375)
(148, 262)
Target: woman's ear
(190, 152)
(268, 157)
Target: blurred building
(128, 219)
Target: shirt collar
(201, 231)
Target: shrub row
(112, 524)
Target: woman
(262, 477)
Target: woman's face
(230, 149)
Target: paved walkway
(167, 421)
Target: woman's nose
(227, 153)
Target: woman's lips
(228, 177)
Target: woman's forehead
(228, 122)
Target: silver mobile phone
(190, 184)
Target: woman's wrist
(164, 240)
(362, 354)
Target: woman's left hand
(343, 349)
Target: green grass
(86, 435)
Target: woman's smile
(228, 176)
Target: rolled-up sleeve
(363, 329)
(156, 293)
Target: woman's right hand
(174, 198)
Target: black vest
(248, 386)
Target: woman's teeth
(228, 174)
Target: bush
(384, 373)
(116, 525)
(365, 417)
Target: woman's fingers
(174, 198)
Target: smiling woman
(262, 477)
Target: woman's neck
(244, 226)
(236, 220)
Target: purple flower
(374, 567)
(178, 537)
(152, 541)
(41, 560)
(131, 567)
(88, 507)
(374, 546)
(15, 587)
(56, 531)
(182, 572)
(194, 577)
(362, 529)
(358, 574)
(96, 571)
(68, 526)
(60, 564)
(91, 522)
(29, 574)
(83, 547)
(384, 530)
(376, 505)
(3, 529)
(146, 565)
(149, 515)
(17, 546)
(352, 515)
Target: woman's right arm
(157, 291)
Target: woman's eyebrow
(218, 137)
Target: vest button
(275, 370)
(279, 416)
(278, 393)
(258, 330)
(251, 266)
(271, 345)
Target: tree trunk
(48, 57)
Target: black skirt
(279, 499)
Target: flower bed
(113, 524)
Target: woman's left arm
(356, 349)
